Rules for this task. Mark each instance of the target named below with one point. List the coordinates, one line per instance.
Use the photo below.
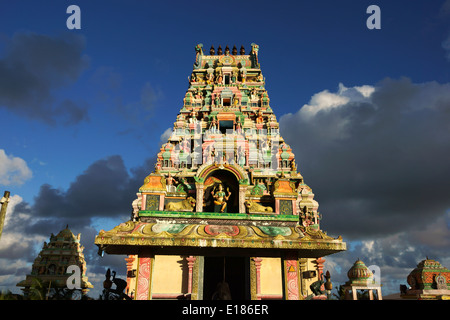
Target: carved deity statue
(217, 99)
(233, 77)
(209, 78)
(307, 216)
(259, 118)
(220, 198)
(235, 101)
(253, 94)
(170, 183)
(219, 78)
(198, 94)
(198, 56)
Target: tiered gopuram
(225, 213)
(51, 265)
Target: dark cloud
(376, 158)
(104, 189)
(395, 255)
(32, 67)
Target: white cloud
(14, 200)
(326, 100)
(13, 170)
(166, 135)
(365, 90)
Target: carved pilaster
(199, 197)
(191, 262)
(302, 264)
(320, 262)
(291, 277)
(197, 278)
(242, 189)
(255, 281)
(129, 261)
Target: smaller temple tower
(361, 278)
(428, 281)
(50, 266)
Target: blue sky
(83, 112)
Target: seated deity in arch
(220, 198)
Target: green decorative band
(216, 215)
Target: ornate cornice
(225, 236)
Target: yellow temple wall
(168, 275)
(271, 277)
(272, 282)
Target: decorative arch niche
(229, 182)
(231, 176)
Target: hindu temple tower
(225, 213)
(51, 264)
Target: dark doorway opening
(225, 125)
(237, 276)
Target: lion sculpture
(185, 205)
(256, 207)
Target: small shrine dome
(361, 278)
(359, 273)
(429, 275)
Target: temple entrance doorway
(235, 271)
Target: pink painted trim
(143, 201)
(258, 275)
(143, 280)
(191, 261)
(161, 202)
